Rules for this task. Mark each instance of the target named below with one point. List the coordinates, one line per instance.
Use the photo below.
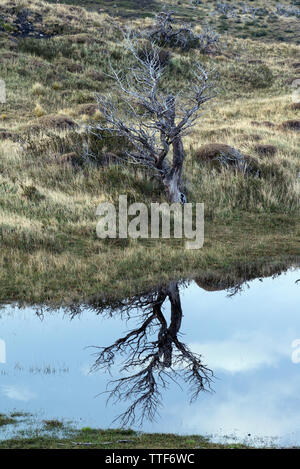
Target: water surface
(245, 336)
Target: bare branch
(150, 364)
(151, 119)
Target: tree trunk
(172, 181)
(167, 335)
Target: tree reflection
(153, 355)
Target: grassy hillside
(54, 57)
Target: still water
(249, 364)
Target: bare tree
(165, 33)
(153, 118)
(151, 363)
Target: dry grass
(49, 194)
(58, 122)
(211, 151)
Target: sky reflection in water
(245, 339)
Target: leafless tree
(226, 9)
(165, 33)
(154, 355)
(153, 118)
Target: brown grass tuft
(70, 65)
(87, 109)
(72, 159)
(293, 124)
(7, 134)
(52, 121)
(266, 149)
(263, 123)
(246, 137)
(213, 150)
(95, 75)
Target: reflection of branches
(242, 285)
(238, 288)
(239, 278)
(151, 364)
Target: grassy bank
(49, 191)
(112, 439)
(84, 269)
(55, 434)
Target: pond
(232, 347)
